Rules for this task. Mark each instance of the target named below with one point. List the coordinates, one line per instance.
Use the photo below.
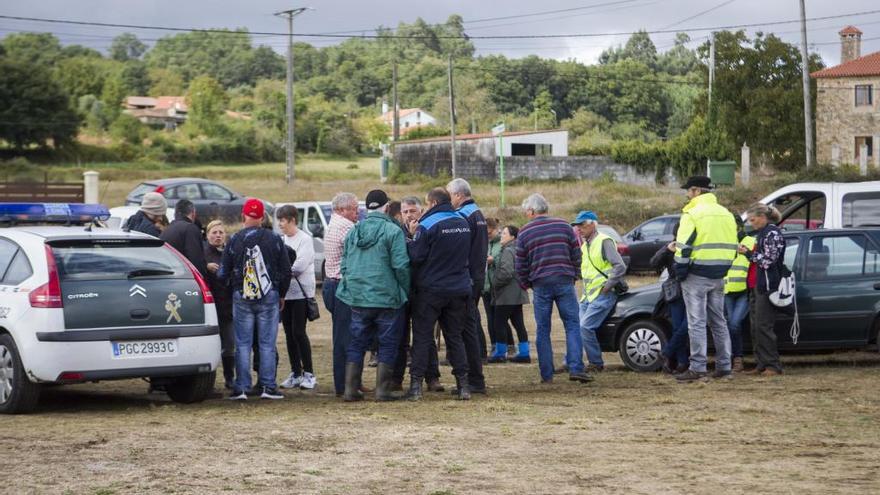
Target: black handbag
(312, 311)
(671, 289)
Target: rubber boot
(523, 354)
(353, 372)
(229, 371)
(415, 390)
(500, 354)
(384, 382)
(464, 389)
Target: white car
(82, 305)
(827, 205)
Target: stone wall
(475, 161)
(839, 121)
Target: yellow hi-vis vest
(591, 259)
(706, 240)
(736, 279)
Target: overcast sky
(584, 16)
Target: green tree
(542, 111)
(638, 47)
(207, 103)
(33, 107)
(33, 48)
(127, 47)
(164, 82)
(127, 129)
(112, 95)
(82, 76)
(135, 78)
(679, 60)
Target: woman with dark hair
(768, 256)
(508, 298)
(676, 354)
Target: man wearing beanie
(150, 215)
(256, 267)
(375, 284)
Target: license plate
(144, 348)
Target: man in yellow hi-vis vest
(736, 297)
(706, 245)
(602, 270)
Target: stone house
(847, 106)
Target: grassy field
(813, 430)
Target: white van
(827, 205)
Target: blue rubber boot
(500, 354)
(523, 354)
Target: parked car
(647, 238)
(838, 300)
(121, 214)
(827, 205)
(211, 199)
(622, 246)
(84, 305)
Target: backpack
(256, 281)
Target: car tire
(17, 393)
(640, 345)
(192, 388)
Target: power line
(546, 12)
(380, 36)
(698, 14)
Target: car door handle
(877, 286)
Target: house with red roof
(847, 107)
(163, 111)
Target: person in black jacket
(676, 353)
(474, 339)
(216, 233)
(150, 219)
(185, 236)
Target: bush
(424, 132)
(127, 129)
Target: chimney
(850, 44)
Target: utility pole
(452, 116)
(805, 72)
(395, 111)
(711, 70)
(289, 15)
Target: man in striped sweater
(548, 260)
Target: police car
(83, 304)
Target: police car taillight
(207, 296)
(48, 295)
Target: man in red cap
(256, 266)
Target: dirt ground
(813, 430)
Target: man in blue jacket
(474, 339)
(442, 287)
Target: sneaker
(271, 393)
(309, 382)
(292, 381)
(582, 377)
(595, 368)
(237, 395)
(692, 376)
(723, 375)
(737, 365)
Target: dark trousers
(513, 314)
(472, 334)
(299, 349)
(341, 316)
(763, 332)
(677, 347)
(452, 313)
(368, 324)
(227, 346)
(403, 351)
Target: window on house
(864, 141)
(864, 95)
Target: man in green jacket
(375, 283)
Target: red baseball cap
(253, 208)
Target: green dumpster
(722, 173)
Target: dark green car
(838, 301)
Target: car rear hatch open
(125, 283)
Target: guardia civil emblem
(172, 304)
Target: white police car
(81, 304)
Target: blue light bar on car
(63, 213)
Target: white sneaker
(308, 381)
(292, 381)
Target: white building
(410, 118)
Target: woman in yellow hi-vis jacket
(736, 297)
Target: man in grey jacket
(602, 270)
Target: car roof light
(57, 213)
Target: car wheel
(17, 393)
(192, 388)
(640, 345)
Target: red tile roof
(869, 65)
(849, 30)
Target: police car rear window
(114, 262)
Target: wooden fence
(43, 192)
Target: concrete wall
(839, 121)
(558, 139)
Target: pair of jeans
(736, 309)
(299, 348)
(452, 313)
(704, 300)
(262, 315)
(592, 315)
(367, 324)
(514, 314)
(677, 347)
(340, 314)
(565, 298)
(403, 350)
(764, 332)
